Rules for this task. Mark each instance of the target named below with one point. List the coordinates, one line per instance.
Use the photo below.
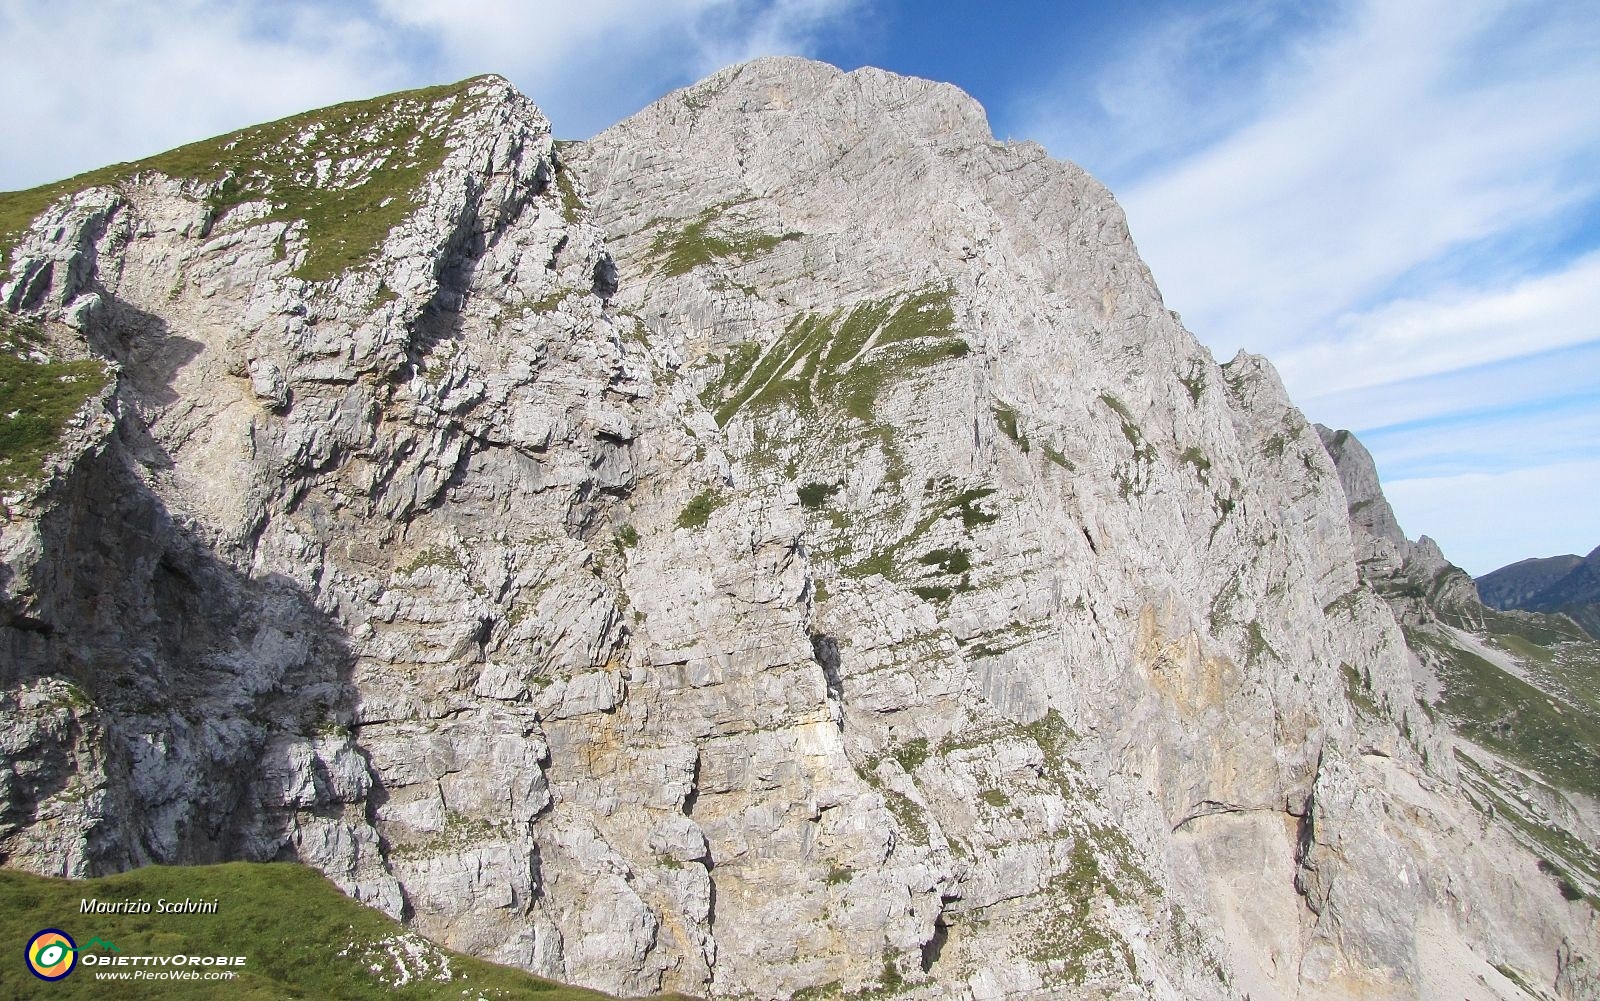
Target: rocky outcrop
(1414, 576)
(783, 544)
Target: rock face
(781, 545)
(1415, 577)
(1564, 584)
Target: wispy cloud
(90, 82)
(1165, 85)
(1528, 384)
(1447, 330)
(1388, 148)
(146, 77)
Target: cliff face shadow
(143, 344)
(189, 671)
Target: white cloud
(1451, 329)
(1536, 434)
(1484, 521)
(786, 26)
(1527, 383)
(90, 82)
(1386, 148)
(1376, 200)
(1162, 85)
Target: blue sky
(1396, 202)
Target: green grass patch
(301, 937)
(1006, 419)
(400, 137)
(460, 831)
(1358, 689)
(1071, 935)
(433, 556)
(1513, 718)
(885, 561)
(907, 815)
(37, 399)
(1118, 406)
(1562, 856)
(701, 241)
(845, 358)
(567, 193)
(1194, 382)
(912, 753)
(815, 495)
(952, 561)
(1258, 645)
(697, 512)
(1193, 456)
(1523, 648)
(972, 512)
(1059, 459)
(995, 798)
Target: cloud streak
(1449, 330)
(1386, 151)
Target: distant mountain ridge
(1566, 584)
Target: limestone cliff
(781, 545)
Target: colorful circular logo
(52, 954)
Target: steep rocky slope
(1520, 690)
(781, 546)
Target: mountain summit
(782, 547)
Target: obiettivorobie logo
(52, 954)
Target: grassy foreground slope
(302, 936)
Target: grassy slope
(398, 139)
(402, 134)
(36, 401)
(1552, 729)
(287, 919)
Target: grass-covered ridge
(301, 936)
(37, 398)
(352, 172)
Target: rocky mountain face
(781, 547)
(1520, 691)
(1568, 585)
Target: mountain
(1568, 585)
(1519, 583)
(782, 547)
